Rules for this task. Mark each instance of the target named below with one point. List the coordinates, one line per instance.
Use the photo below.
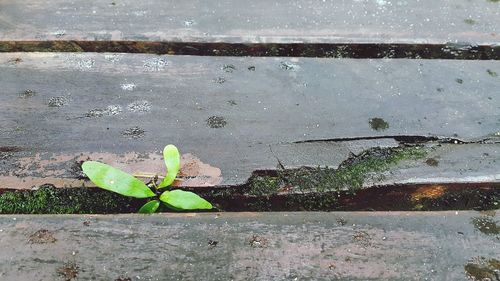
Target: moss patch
(261, 185)
(481, 268)
(378, 124)
(486, 225)
(326, 186)
(320, 188)
(351, 175)
(50, 200)
(309, 188)
(312, 189)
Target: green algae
(324, 186)
(351, 175)
(319, 188)
(309, 188)
(304, 189)
(51, 200)
(262, 185)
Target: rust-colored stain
(14, 182)
(63, 170)
(193, 172)
(428, 191)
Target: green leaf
(173, 162)
(149, 207)
(112, 179)
(184, 200)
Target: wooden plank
(250, 22)
(237, 115)
(389, 28)
(252, 246)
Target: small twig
(280, 165)
(146, 175)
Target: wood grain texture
(234, 115)
(346, 21)
(251, 246)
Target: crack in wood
(408, 139)
(462, 51)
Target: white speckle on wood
(128, 86)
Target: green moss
(261, 185)
(310, 189)
(50, 200)
(378, 124)
(320, 188)
(494, 263)
(351, 175)
(486, 225)
(481, 268)
(313, 201)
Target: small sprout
(112, 179)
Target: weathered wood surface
(283, 21)
(251, 246)
(57, 109)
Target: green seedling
(112, 179)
